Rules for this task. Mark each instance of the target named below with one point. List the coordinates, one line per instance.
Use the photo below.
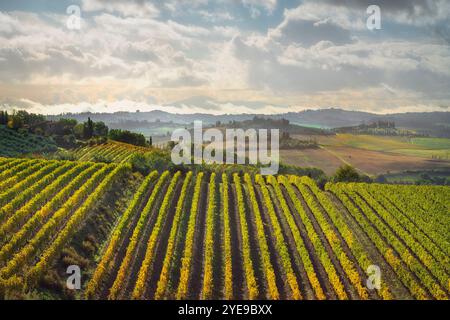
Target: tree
(3, 117)
(346, 173)
(63, 126)
(88, 131)
(29, 119)
(15, 122)
(145, 163)
(381, 179)
(78, 130)
(127, 137)
(100, 129)
(150, 142)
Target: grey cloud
(137, 52)
(10, 104)
(208, 103)
(411, 6)
(413, 10)
(200, 102)
(189, 80)
(329, 67)
(308, 33)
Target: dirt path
(342, 159)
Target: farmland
(208, 235)
(111, 151)
(372, 155)
(15, 143)
(43, 203)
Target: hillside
(14, 143)
(110, 151)
(192, 235)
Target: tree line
(68, 133)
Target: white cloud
(316, 55)
(122, 48)
(410, 12)
(215, 16)
(399, 56)
(125, 8)
(255, 6)
(320, 13)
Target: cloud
(255, 6)
(309, 32)
(314, 54)
(352, 13)
(120, 48)
(215, 16)
(139, 8)
(400, 56)
(328, 67)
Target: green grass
(432, 143)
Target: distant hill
(430, 123)
(282, 124)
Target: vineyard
(43, 203)
(244, 237)
(15, 143)
(111, 151)
(186, 235)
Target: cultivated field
(372, 155)
(410, 146)
(111, 151)
(211, 236)
(43, 204)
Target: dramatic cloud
(419, 12)
(238, 56)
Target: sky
(224, 56)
